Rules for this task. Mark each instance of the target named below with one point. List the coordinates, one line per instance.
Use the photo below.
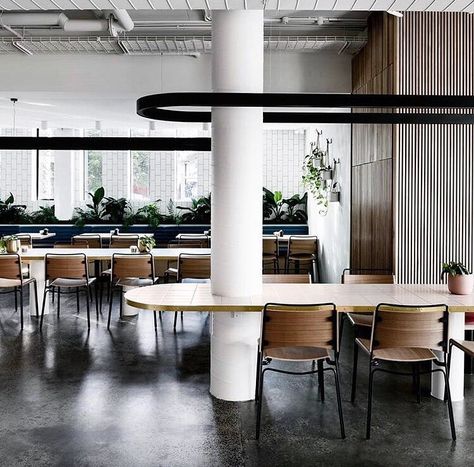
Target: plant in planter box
(146, 243)
(11, 213)
(149, 214)
(171, 216)
(460, 279)
(273, 205)
(44, 215)
(117, 211)
(95, 210)
(296, 212)
(199, 212)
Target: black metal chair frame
(18, 291)
(86, 288)
(415, 373)
(334, 365)
(275, 259)
(118, 288)
(315, 272)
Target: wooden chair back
(87, 240)
(136, 266)
(270, 245)
(398, 326)
(25, 240)
(374, 277)
(286, 278)
(123, 241)
(185, 245)
(10, 267)
(199, 240)
(69, 245)
(286, 325)
(66, 266)
(298, 245)
(194, 266)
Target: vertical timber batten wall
(434, 163)
(373, 71)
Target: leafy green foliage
(146, 243)
(11, 213)
(44, 215)
(313, 179)
(454, 269)
(199, 212)
(279, 210)
(116, 210)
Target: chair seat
(466, 346)
(302, 257)
(63, 282)
(7, 283)
(297, 353)
(404, 354)
(134, 282)
(360, 319)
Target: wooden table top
(106, 253)
(347, 297)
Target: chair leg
(450, 406)
(96, 292)
(354, 372)
(321, 379)
(121, 303)
(111, 296)
(154, 320)
(160, 314)
(259, 405)
(257, 374)
(59, 300)
(369, 405)
(339, 402)
(175, 320)
(15, 291)
(54, 290)
(45, 294)
(35, 288)
(88, 294)
(21, 306)
(418, 383)
(77, 300)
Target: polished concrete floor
(135, 398)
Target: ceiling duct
(116, 21)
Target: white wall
(333, 229)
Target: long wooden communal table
(347, 297)
(35, 257)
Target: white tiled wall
(283, 158)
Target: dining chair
(362, 321)
(192, 267)
(90, 240)
(302, 250)
(199, 240)
(69, 245)
(286, 278)
(407, 335)
(298, 334)
(130, 270)
(466, 346)
(25, 240)
(123, 241)
(68, 273)
(271, 252)
(12, 277)
(172, 265)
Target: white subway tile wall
(283, 159)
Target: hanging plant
(314, 175)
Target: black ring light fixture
(389, 108)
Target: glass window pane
(46, 175)
(186, 175)
(140, 175)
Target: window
(140, 175)
(94, 171)
(45, 174)
(186, 175)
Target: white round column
(237, 147)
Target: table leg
(456, 380)
(234, 340)
(37, 271)
(128, 310)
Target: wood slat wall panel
(434, 163)
(372, 146)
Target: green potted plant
(12, 244)
(3, 245)
(146, 243)
(460, 279)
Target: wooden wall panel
(372, 146)
(434, 163)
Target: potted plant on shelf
(460, 279)
(146, 243)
